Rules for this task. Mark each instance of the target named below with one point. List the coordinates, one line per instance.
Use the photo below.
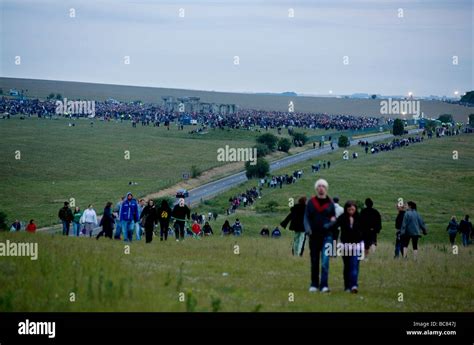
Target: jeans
(398, 245)
(465, 239)
(317, 251)
(66, 226)
(138, 231)
(77, 228)
(128, 226)
(351, 271)
(118, 230)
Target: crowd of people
(148, 114)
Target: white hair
(321, 182)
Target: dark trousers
(179, 229)
(398, 245)
(66, 226)
(164, 230)
(106, 231)
(149, 232)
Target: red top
(196, 228)
(31, 227)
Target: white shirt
(89, 216)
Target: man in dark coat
(319, 218)
(66, 216)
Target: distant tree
(50, 96)
(468, 97)
(398, 127)
(284, 145)
(446, 118)
(59, 96)
(262, 150)
(373, 96)
(471, 120)
(1, 92)
(343, 141)
(260, 169)
(300, 137)
(268, 139)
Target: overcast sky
(305, 53)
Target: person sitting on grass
(196, 228)
(237, 228)
(265, 232)
(31, 227)
(226, 228)
(207, 229)
(276, 233)
(16, 226)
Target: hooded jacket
(129, 209)
(317, 217)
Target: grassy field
(88, 163)
(263, 274)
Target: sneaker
(313, 289)
(177, 240)
(354, 290)
(347, 290)
(325, 289)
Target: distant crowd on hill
(148, 114)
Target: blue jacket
(129, 210)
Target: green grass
(261, 277)
(424, 172)
(88, 163)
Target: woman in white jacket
(89, 219)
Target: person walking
(296, 221)
(465, 228)
(412, 228)
(371, 223)
(180, 213)
(164, 216)
(66, 217)
(352, 240)
(128, 216)
(452, 229)
(89, 219)
(320, 216)
(149, 218)
(107, 222)
(398, 227)
(76, 221)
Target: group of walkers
(324, 222)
